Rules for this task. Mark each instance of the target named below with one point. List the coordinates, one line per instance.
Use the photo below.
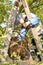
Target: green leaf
(1, 18)
(15, 43)
(1, 0)
(39, 52)
(16, 63)
(1, 56)
(5, 63)
(14, 54)
(0, 33)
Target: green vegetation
(5, 63)
(36, 6)
(5, 7)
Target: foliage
(1, 56)
(36, 6)
(5, 7)
(16, 63)
(0, 42)
(5, 63)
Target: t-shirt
(19, 16)
(34, 19)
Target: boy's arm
(21, 21)
(26, 24)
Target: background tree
(5, 7)
(36, 6)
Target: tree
(11, 19)
(36, 6)
(5, 7)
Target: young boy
(22, 19)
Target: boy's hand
(21, 21)
(26, 24)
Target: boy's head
(16, 3)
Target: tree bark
(10, 27)
(34, 31)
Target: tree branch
(36, 6)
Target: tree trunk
(34, 31)
(10, 27)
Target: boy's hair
(16, 3)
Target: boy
(22, 19)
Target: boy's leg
(22, 33)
